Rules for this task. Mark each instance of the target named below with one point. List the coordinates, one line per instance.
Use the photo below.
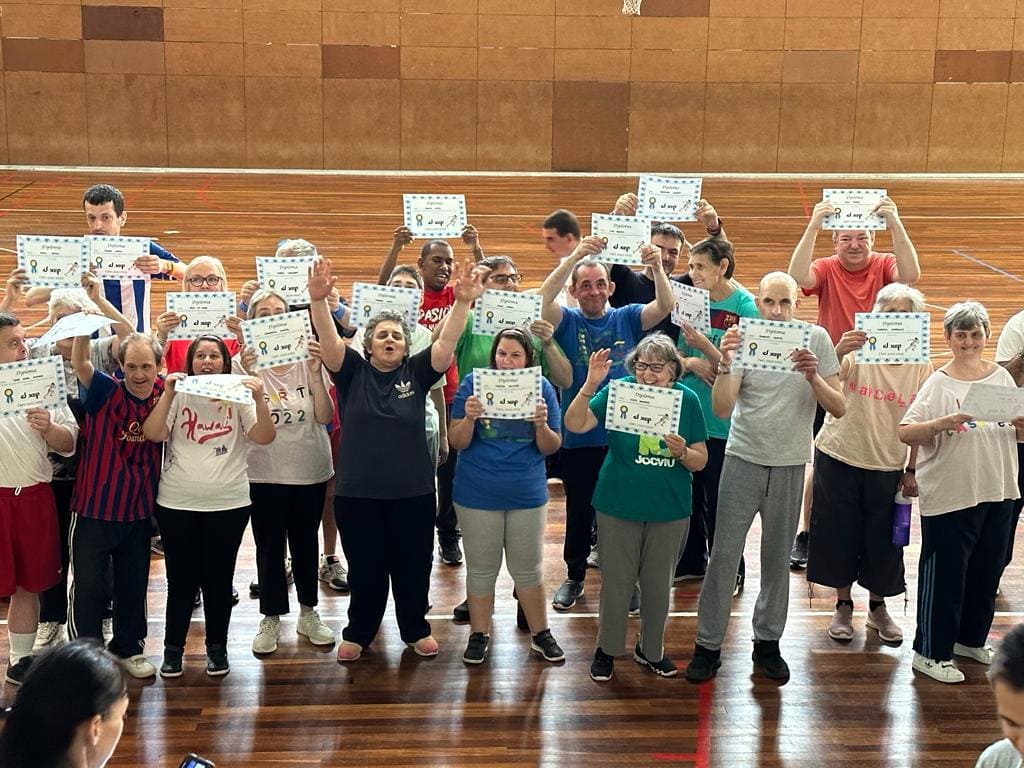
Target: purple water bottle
(900, 520)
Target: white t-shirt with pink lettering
(205, 456)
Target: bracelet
(724, 370)
(714, 232)
(585, 394)
(686, 452)
(911, 470)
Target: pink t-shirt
(841, 293)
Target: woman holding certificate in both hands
(643, 500)
(501, 495)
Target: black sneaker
(198, 599)
(665, 667)
(567, 595)
(461, 611)
(156, 546)
(234, 596)
(602, 667)
(704, 664)
(766, 655)
(217, 661)
(798, 556)
(451, 553)
(741, 580)
(544, 644)
(476, 649)
(16, 672)
(172, 663)
(254, 589)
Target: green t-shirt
(724, 314)
(474, 351)
(639, 479)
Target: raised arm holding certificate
(437, 216)
(854, 208)
(114, 257)
(993, 402)
(640, 409)
(218, 386)
(34, 383)
(287, 275)
(508, 394)
(668, 198)
(893, 337)
(496, 310)
(693, 307)
(369, 298)
(201, 313)
(766, 345)
(623, 236)
(278, 339)
(52, 262)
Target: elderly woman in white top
(967, 474)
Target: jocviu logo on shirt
(404, 389)
(652, 454)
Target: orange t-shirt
(841, 293)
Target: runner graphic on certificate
(854, 209)
(668, 198)
(767, 345)
(53, 262)
(201, 313)
(508, 394)
(287, 275)
(893, 337)
(368, 299)
(278, 339)
(497, 310)
(114, 257)
(623, 236)
(693, 306)
(640, 409)
(35, 383)
(435, 215)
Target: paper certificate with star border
(53, 262)
(641, 409)
(217, 386)
(853, 209)
(693, 306)
(668, 198)
(278, 339)
(893, 337)
(623, 237)
(435, 215)
(766, 345)
(202, 313)
(114, 257)
(512, 394)
(993, 402)
(369, 298)
(496, 310)
(288, 275)
(35, 383)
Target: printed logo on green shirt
(654, 453)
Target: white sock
(304, 610)
(21, 645)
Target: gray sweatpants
(745, 490)
(632, 551)
(487, 533)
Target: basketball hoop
(631, 7)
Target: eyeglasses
(652, 367)
(197, 281)
(506, 279)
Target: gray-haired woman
(967, 473)
(639, 533)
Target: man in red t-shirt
(846, 283)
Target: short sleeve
(692, 426)
(922, 407)
(99, 392)
(247, 415)
(554, 411)
(1011, 339)
(819, 269)
(821, 343)
(599, 404)
(350, 363)
(62, 415)
(422, 370)
(463, 393)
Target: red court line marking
(131, 199)
(201, 194)
(702, 757)
(804, 200)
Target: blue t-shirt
(619, 330)
(131, 297)
(502, 467)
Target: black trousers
(1018, 504)
(386, 541)
(280, 514)
(961, 562)
(580, 468)
(98, 549)
(447, 521)
(53, 602)
(701, 536)
(200, 549)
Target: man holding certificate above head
(580, 332)
(847, 281)
(782, 370)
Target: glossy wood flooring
(857, 704)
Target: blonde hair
(214, 262)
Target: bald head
(777, 296)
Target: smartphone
(195, 761)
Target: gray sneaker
(798, 555)
(888, 630)
(841, 626)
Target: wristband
(715, 231)
(724, 370)
(911, 470)
(585, 394)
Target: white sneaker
(982, 655)
(107, 630)
(333, 573)
(312, 627)
(593, 560)
(139, 666)
(943, 671)
(49, 634)
(267, 635)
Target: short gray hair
(966, 316)
(898, 292)
(589, 262)
(71, 298)
(140, 338)
(386, 315)
(298, 248)
(658, 346)
(262, 295)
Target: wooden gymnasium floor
(855, 705)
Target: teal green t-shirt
(724, 314)
(473, 350)
(639, 479)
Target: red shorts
(29, 539)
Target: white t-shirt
(1002, 754)
(975, 464)
(301, 452)
(1011, 339)
(204, 466)
(23, 450)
